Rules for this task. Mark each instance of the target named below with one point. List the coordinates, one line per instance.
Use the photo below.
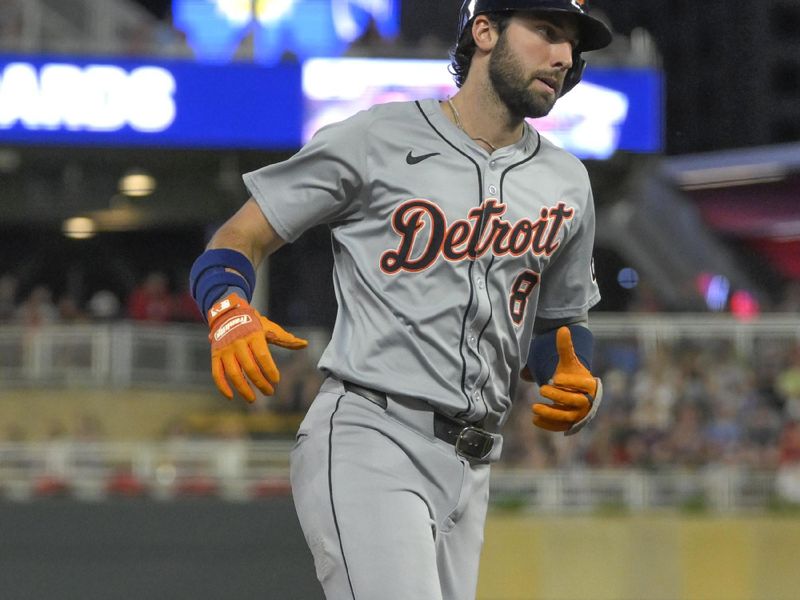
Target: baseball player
(462, 243)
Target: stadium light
(137, 184)
(79, 228)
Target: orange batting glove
(239, 351)
(576, 393)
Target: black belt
(469, 441)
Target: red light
(744, 306)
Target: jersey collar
(524, 146)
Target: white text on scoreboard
(86, 98)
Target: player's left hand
(576, 393)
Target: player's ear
(484, 33)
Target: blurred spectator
(104, 305)
(787, 384)
(523, 444)
(38, 308)
(789, 446)
(185, 308)
(655, 394)
(151, 301)
(693, 405)
(687, 445)
(723, 432)
(788, 478)
(69, 311)
(600, 448)
(676, 404)
(761, 431)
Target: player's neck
(483, 119)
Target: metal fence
(116, 355)
(241, 470)
(175, 356)
(720, 489)
(231, 469)
(123, 353)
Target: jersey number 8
(522, 288)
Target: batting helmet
(593, 34)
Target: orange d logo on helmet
(579, 4)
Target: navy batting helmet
(593, 34)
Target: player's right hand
(239, 347)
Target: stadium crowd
(152, 299)
(689, 404)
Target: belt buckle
(473, 442)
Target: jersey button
(472, 339)
(492, 163)
(480, 283)
(492, 190)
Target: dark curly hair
(461, 54)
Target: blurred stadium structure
(89, 27)
(104, 386)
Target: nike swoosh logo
(413, 160)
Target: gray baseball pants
(389, 511)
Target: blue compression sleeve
(216, 272)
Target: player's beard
(513, 86)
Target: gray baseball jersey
(443, 254)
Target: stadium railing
(246, 470)
(123, 353)
(175, 356)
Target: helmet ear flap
(574, 75)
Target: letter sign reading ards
(172, 104)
